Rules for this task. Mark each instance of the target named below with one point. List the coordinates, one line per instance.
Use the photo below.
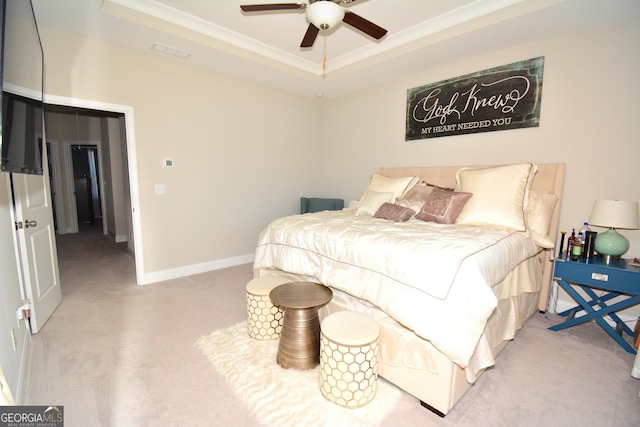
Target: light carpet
(284, 397)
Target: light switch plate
(161, 189)
(167, 163)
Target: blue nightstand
(617, 280)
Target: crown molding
(169, 19)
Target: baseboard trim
(174, 273)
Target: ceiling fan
(322, 15)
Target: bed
(451, 262)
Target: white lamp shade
(324, 14)
(615, 214)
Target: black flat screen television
(21, 68)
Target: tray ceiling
(264, 47)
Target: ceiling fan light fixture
(324, 14)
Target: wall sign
(501, 98)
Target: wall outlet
(14, 340)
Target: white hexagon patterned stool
(264, 318)
(349, 358)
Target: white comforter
(434, 279)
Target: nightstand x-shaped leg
(597, 314)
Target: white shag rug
(275, 394)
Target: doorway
(115, 131)
(86, 178)
(83, 182)
(91, 173)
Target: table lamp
(613, 214)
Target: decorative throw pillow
(396, 186)
(443, 206)
(418, 192)
(415, 205)
(539, 214)
(500, 195)
(394, 213)
(371, 202)
(422, 191)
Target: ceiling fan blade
(272, 6)
(363, 25)
(310, 36)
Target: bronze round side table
(299, 345)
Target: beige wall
(588, 121)
(242, 152)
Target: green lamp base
(611, 244)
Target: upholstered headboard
(548, 179)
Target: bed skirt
(416, 366)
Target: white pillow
(539, 213)
(371, 202)
(396, 186)
(419, 192)
(415, 205)
(500, 195)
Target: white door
(37, 245)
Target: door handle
(28, 224)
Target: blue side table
(616, 279)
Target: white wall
(588, 121)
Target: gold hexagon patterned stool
(349, 358)
(264, 318)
